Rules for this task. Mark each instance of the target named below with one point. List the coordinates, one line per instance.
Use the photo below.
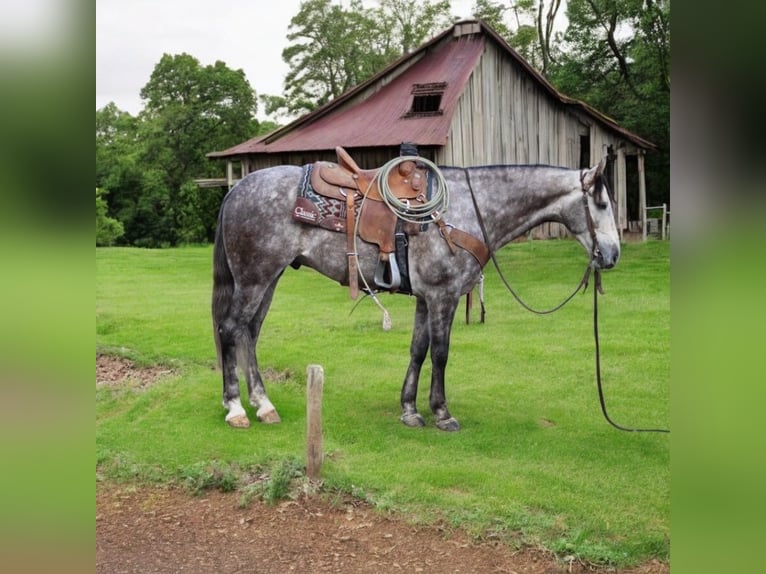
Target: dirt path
(159, 530)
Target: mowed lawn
(535, 461)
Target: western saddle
(345, 181)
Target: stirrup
(388, 268)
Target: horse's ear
(601, 166)
(589, 178)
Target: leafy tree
(189, 110)
(531, 33)
(617, 58)
(119, 171)
(116, 132)
(405, 25)
(493, 14)
(333, 49)
(148, 163)
(108, 229)
(325, 54)
(524, 38)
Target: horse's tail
(223, 283)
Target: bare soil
(154, 529)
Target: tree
(524, 38)
(532, 32)
(189, 110)
(119, 170)
(406, 25)
(108, 229)
(322, 64)
(493, 14)
(116, 133)
(148, 163)
(545, 31)
(617, 58)
(333, 49)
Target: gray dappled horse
(257, 239)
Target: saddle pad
(315, 209)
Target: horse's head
(599, 235)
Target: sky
(132, 36)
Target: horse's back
(257, 228)
(264, 186)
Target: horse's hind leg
(257, 392)
(236, 415)
(418, 350)
(237, 332)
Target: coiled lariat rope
(431, 210)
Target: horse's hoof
(450, 425)
(270, 417)
(239, 422)
(413, 420)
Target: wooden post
(468, 305)
(642, 193)
(315, 384)
(621, 192)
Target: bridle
(592, 267)
(595, 251)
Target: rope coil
(431, 210)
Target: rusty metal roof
(382, 119)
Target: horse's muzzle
(608, 259)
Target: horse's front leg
(418, 349)
(441, 312)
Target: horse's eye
(598, 200)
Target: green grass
(534, 463)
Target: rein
(582, 285)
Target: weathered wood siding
(503, 117)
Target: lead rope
(584, 285)
(598, 376)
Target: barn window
(426, 100)
(584, 151)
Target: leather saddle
(377, 224)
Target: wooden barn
(466, 98)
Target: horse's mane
(507, 165)
(601, 183)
